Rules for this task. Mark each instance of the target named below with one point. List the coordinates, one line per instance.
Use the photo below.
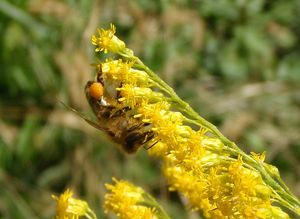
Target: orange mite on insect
(96, 90)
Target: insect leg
(148, 147)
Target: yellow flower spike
(107, 41)
(160, 115)
(170, 131)
(125, 200)
(116, 69)
(136, 96)
(68, 207)
(191, 186)
(208, 169)
(122, 71)
(221, 192)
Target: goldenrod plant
(124, 199)
(68, 207)
(129, 201)
(212, 172)
(235, 62)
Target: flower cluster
(217, 178)
(197, 165)
(107, 41)
(225, 192)
(126, 201)
(68, 207)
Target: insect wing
(89, 121)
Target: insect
(118, 122)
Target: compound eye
(96, 90)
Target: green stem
(149, 201)
(91, 214)
(285, 203)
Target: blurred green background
(237, 62)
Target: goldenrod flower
(126, 201)
(195, 162)
(107, 41)
(136, 96)
(214, 175)
(68, 207)
(122, 71)
(221, 192)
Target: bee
(118, 122)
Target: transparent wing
(88, 120)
